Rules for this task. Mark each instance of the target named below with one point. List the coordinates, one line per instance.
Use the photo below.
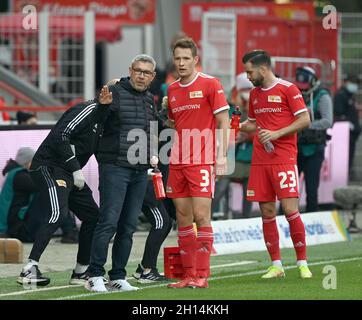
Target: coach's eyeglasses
(146, 73)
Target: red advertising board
(125, 11)
(192, 13)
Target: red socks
(187, 245)
(297, 233)
(195, 252)
(205, 240)
(271, 237)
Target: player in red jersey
(197, 107)
(277, 111)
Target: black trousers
(35, 217)
(352, 149)
(161, 215)
(311, 166)
(161, 224)
(58, 195)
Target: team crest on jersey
(61, 183)
(196, 94)
(250, 193)
(255, 101)
(173, 99)
(274, 99)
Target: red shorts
(191, 181)
(266, 182)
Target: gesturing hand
(105, 97)
(164, 102)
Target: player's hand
(267, 135)
(169, 123)
(164, 103)
(221, 166)
(105, 97)
(154, 161)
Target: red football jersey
(192, 107)
(275, 108)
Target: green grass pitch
(231, 280)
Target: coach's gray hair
(144, 58)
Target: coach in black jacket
(124, 157)
(56, 170)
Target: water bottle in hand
(268, 146)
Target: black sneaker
(151, 276)
(32, 276)
(79, 278)
(138, 272)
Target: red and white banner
(125, 11)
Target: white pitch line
(16, 293)
(233, 264)
(73, 286)
(212, 278)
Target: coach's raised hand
(105, 97)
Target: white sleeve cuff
(300, 111)
(221, 109)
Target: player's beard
(258, 82)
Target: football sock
(271, 238)
(205, 240)
(297, 233)
(278, 263)
(302, 263)
(187, 245)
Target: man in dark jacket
(312, 140)
(124, 154)
(345, 110)
(57, 171)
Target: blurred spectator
(345, 110)
(243, 149)
(26, 118)
(312, 140)
(21, 210)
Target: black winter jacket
(126, 137)
(80, 126)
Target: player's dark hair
(257, 58)
(186, 43)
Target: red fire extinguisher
(158, 184)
